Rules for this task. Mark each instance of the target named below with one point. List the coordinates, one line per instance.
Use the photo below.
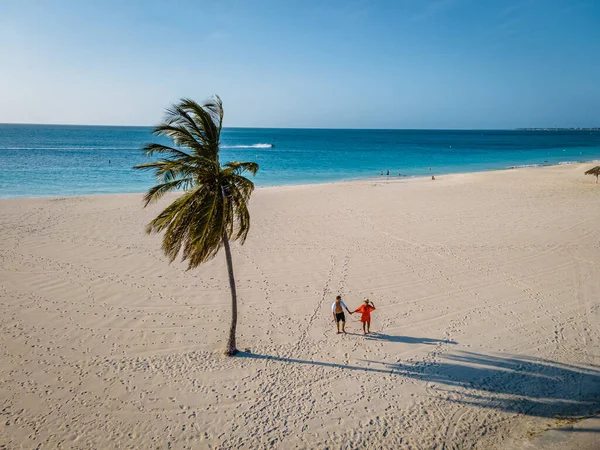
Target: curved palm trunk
(231, 348)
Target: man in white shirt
(337, 309)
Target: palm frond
(152, 148)
(167, 215)
(241, 216)
(593, 171)
(180, 136)
(192, 224)
(215, 108)
(207, 121)
(157, 192)
(177, 115)
(237, 189)
(206, 230)
(167, 170)
(241, 167)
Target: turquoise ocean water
(53, 160)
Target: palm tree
(213, 208)
(594, 171)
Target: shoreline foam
(382, 178)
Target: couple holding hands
(365, 309)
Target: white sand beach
(486, 333)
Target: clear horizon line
(302, 128)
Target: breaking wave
(560, 163)
(522, 166)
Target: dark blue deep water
(42, 160)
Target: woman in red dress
(365, 310)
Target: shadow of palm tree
(518, 384)
(375, 336)
(581, 430)
(283, 359)
(515, 384)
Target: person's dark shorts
(340, 317)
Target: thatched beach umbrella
(594, 171)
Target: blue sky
(347, 64)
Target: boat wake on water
(249, 146)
